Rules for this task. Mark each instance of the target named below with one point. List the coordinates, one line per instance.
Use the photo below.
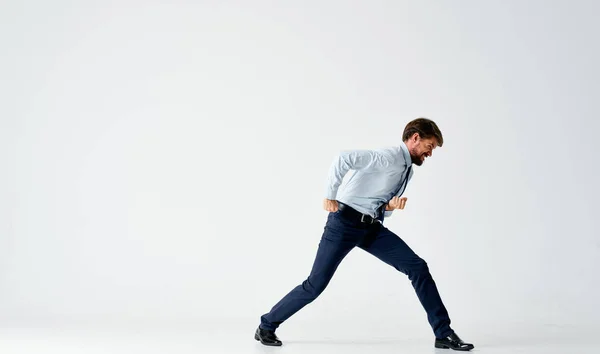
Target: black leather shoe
(453, 342)
(267, 337)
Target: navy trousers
(340, 236)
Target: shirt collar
(406, 154)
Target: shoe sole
(443, 346)
(268, 344)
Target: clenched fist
(396, 203)
(330, 205)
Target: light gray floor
(239, 339)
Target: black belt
(355, 215)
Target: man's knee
(418, 268)
(315, 286)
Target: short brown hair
(426, 129)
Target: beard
(417, 159)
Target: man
(356, 214)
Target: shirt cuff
(331, 194)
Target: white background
(165, 162)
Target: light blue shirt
(376, 179)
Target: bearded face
(420, 149)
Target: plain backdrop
(165, 161)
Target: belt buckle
(362, 219)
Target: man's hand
(330, 205)
(396, 203)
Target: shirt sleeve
(368, 160)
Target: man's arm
(395, 203)
(354, 160)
